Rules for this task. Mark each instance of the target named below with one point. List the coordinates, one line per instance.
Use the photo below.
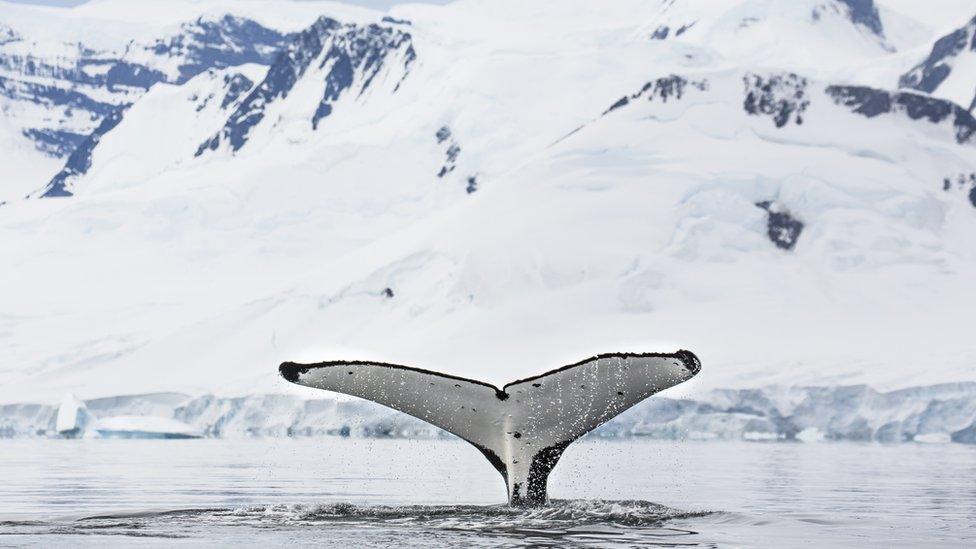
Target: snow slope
(497, 189)
(59, 89)
(949, 71)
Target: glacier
(937, 413)
(195, 192)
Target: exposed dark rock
(355, 54)
(53, 96)
(289, 66)
(780, 96)
(934, 69)
(782, 228)
(56, 143)
(236, 85)
(660, 33)
(227, 42)
(120, 75)
(625, 100)
(663, 89)
(130, 75)
(872, 102)
(963, 182)
(472, 184)
(919, 107)
(362, 50)
(862, 100)
(197, 47)
(452, 153)
(80, 160)
(864, 13)
(395, 21)
(444, 134)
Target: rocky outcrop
(872, 102)
(928, 75)
(782, 97)
(671, 87)
(782, 228)
(351, 56)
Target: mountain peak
(949, 71)
(344, 56)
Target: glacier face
(487, 191)
(854, 413)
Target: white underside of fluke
(522, 428)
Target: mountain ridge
(478, 190)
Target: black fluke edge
(690, 360)
(290, 371)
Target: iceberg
(73, 417)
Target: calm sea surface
(348, 493)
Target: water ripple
(581, 522)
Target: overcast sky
(378, 4)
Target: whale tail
(522, 428)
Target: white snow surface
(143, 426)
(23, 165)
(631, 231)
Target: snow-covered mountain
(60, 95)
(949, 71)
(487, 189)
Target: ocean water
(348, 493)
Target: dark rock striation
(928, 75)
(75, 86)
(864, 13)
(872, 102)
(80, 160)
(671, 87)
(352, 54)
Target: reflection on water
(339, 492)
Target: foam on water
(576, 522)
(558, 513)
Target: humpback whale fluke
(521, 428)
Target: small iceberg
(811, 434)
(933, 438)
(73, 417)
(144, 427)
